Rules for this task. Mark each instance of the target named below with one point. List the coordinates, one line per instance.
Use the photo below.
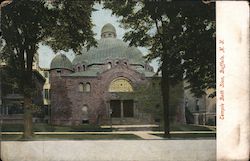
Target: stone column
(196, 118)
(122, 110)
(134, 109)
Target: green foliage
(61, 24)
(170, 30)
(182, 34)
(149, 98)
(70, 25)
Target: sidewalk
(115, 150)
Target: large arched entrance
(121, 108)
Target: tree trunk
(27, 118)
(28, 88)
(165, 87)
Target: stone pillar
(204, 118)
(108, 109)
(122, 110)
(196, 118)
(134, 110)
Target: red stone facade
(65, 94)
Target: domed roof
(110, 48)
(61, 62)
(79, 59)
(108, 28)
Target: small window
(81, 87)
(109, 66)
(78, 69)
(87, 87)
(83, 67)
(85, 117)
(46, 93)
(59, 72)
(46, 74)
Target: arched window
(78, 69)
(59, 72)
(87, 87)
(81, 87)
(83, 67)
(120, 85)
(85, 114)
(109, 65)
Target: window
(87, 87)
(197, 105)
(109, 65)
(120, 85)
(46, 93)
(58, 72)
(85, 117)
(46, 74)
(128, 108)
(83, 67)
(80, 87)
(78, 69)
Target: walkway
(104, 150)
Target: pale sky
(99, 18)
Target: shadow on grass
(48, 137)
(189, 136)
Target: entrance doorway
(115, 105)
(122, 108)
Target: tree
(26, 23)
(170, 30)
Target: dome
(61, 62)
(108, 30)
(111, 48)
(79, 59)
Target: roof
(62, 62)
(110, 48)
(108, 28)
(87, 73)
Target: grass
(184, 127)
(189, 135)
(42, 127)
(18, 137)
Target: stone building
(100, 84)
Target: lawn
(185, 127)
(37, 137)
(188, 127)
(42, 127)
(189, 135)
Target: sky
(99, 18)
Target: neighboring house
(12, 100)
(46, 93)
(101, 84)
(200, 110)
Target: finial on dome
(108, 30)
